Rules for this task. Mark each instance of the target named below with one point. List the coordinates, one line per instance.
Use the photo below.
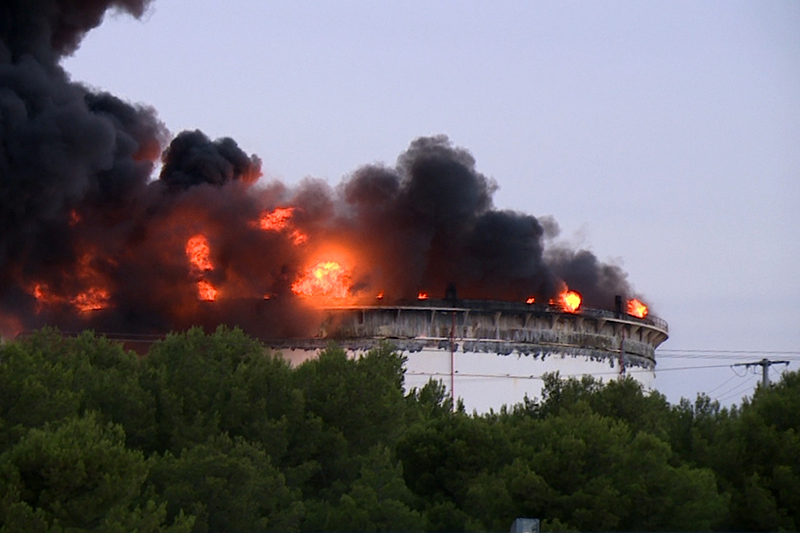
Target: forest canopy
(215, 433)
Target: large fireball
(325, 279)
(570, 301)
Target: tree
(445, 458)
(47, 377)
(351, 405)
(378, 500)
(35, 387)
(206, 385)
(766, 479)
(230, 485)
(78, 476)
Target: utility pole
(764, 364)
(453, 363)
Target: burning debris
(90, 239)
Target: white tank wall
(485, 381)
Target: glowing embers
(325, 280)
(198, 252)
(531, 300)
(569, 301)
(637, 308)
(423, 295)
(280, 220)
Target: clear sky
(662, 136)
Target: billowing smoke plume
(88, 237)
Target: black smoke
(89, 237)
(63, 149)
(192, 159)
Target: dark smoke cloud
(433, 214)
(61, 147)
(192, 159)
(47, 29)
(89, 239)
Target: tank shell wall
(500, 351)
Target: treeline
(212, 433)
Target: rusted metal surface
(495, 327)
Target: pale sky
(662, 136)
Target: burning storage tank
(112, 223)
(491, 353)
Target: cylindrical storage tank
(492, 353)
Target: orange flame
(280, 219)
(44, 296)
(199, 253)
(85, 290)
(637, 308)
(276, 220)
(91, 300)
(298, 237)
(380, 295)
(325, 279)
(530, 300)
(570, 301)
(422, 295)
(40, 292)
(206, 290)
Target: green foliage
(229, 485)
(209, 384)
(351, 405)
(77, 476)
(766, 479)
(378, 500)
(48, 377)
(214, 433)
(362, 397)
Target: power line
(532, 376)
(734, 376)
(729, 355)
(693, 350)
(736, 391)
(693, 367)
